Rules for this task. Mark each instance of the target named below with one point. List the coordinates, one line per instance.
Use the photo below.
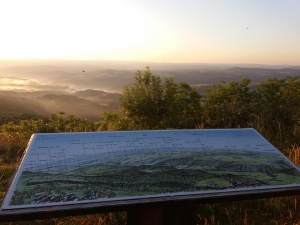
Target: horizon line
(140, 61)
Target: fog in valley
(86, 88)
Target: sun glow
(151, 30)
(70, 29)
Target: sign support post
(178, 213)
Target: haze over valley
(86, 88)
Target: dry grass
(95, 219)
(294, 155)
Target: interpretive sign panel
(74, 168)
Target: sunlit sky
(189, 31)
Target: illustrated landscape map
(73, 168)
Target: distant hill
(295, 67)
(112, 76)
(11, 104)
(84, 104)
(16, 117)
(90, 93)
(86, 88)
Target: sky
(177, 31)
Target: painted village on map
(70, 168)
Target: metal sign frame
(66, 174)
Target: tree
(57, 123)
(151, 103)
(277, 106)
(273, 108)
(142, 102)
(228, 105)
(112, 120)
(183, 105)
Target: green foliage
(151, 103)
(273, 108)
(58, 123)
(14, 136)
(142, 102)
(182, 105)
(277, 106)
(228, 105)
(16, 117)
(112, 120)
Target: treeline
(14, 136)
(6, 117)
(272, 108)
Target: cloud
(16, 83)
